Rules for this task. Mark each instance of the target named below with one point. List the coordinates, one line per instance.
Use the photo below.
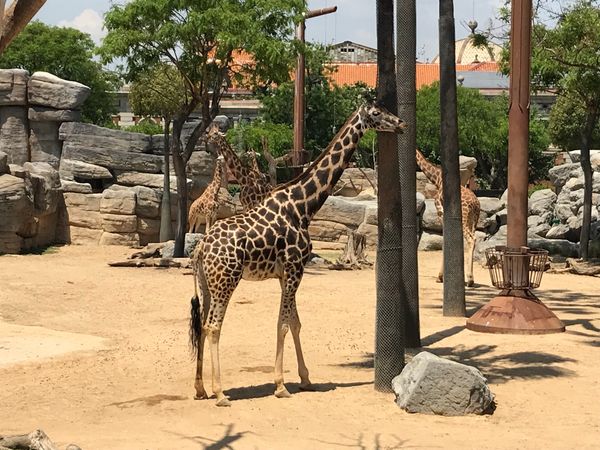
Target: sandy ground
(98, 356)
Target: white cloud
(89, 21)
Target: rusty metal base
(515, 311)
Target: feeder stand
(516, 310)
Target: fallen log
(580, 267)
(36, 440)
(178, 263)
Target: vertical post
(518, 123)
(454, 275)
(298, 151)
(406, 51)
(389, 328)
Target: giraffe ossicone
(270, 240)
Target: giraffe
(207, 204)
(254, 186)
(470, 208)
(270, 240)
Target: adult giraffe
(271, 240)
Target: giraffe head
(380, 119)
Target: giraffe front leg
(305, 383)
(469, 260)
(440, 277)
(282, 329)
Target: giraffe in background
(470, 208)
(207, 204)
(254, 186)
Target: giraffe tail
(197, 309)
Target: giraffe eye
(376, 113)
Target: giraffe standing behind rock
(470, 209)
(254, 187)
(207, 204)
(271, 240)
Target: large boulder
(44, 143)
(94, 137)
(148, 202)
(71, 169)
(112, 159)
(559, 175)
(542, 201)
(13, 87)
(17, 220)
(46, 89)
(14, 140)
(4, 163)
(431, 241)
(432, 385)
(191, 240)
(118, 201)
(467, 166)
(431, 220)
(74, 186)
(354, 181)
(45, 114)
(340, 210)
(46, 186)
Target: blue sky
(353, 21)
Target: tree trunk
(454, 275)
(16, 17)
(586, 166)
(166, 228)
(179, 165)
(354, 253)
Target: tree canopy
(327, 105)
(482, 133)
(67, 53)
(158, 92)
(214, 45)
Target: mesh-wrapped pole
(454, 272)
(389, 328)
(406, 51)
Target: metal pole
(389, 327)
(454, 275)
(518, 123)
(406, 50)
(298, 152)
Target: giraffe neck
(234, 164)
(216, 181)
(431, 171)
(311, 188)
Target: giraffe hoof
(439, 280)
(282, 393)
(307, 387)
(470, 283)
(224, 401)
(200, 396)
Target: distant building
(467, 52)
(352, 52)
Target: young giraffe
(254, 187)
(207, 204)
(470, 208)
(271, 240)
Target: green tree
(482, 133)
(566, 59)
(67, 53)
(565, 123)
(327, 105)
(160, 92)
(212, 44)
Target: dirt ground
(98, 356)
